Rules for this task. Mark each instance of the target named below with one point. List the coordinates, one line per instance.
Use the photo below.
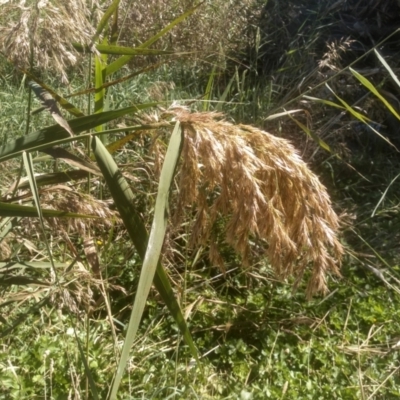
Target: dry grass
(64, 198)
(77, 279)
(205, 32)
(258, 187)
(44, 32)
(41, 35)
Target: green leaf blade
(123, 60)
(51, 135)
(123, 198)
(16, 210)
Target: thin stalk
(87, 350)
(89, 139)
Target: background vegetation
(280, 66)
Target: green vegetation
(153, 248)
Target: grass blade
(51, 106)
(124, 199)
(384, 195)
(153, 251)
(368, 84)
(323, 101)
(359, 116)
(224, 95)
(120, 80)
(49, 136)
(100, 92)
(123, 51)
(386, 65)
(87, 368)
(15, 210)
(7, 224)
(31, 176)
(71, 159)
(114, 28)
(106, 16)
(118, 64)
(20, 280)
(311, 134)
(54, 178)
(209, 88)
(22, 265)
(65, 104)
(283, 114)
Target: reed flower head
(42, 34)
(259, 188)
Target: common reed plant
(252, 184)
(258, 185)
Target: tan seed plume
(260, 188)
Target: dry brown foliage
(215, 25)
(45, 31)
(76, 280)
(64, 198)
(259, 186)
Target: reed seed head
(258, 187)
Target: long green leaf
(21, 280)
(117, 81)
(312, 135)
(7, 224)
(65, 104)
(386, 65)
(21, 265)
(49, 136)
(153, 251)
(384, 195)
(137, 130)
(88, 373)
(100, 92)
(224, 95)
(323, 101)
(106, 16)
(124, 199)
(208, 94)
(123, 51)
(51, 106)
(55, 178)
(359, 116)
(15, 210)
(114, 28)
(31, 176)
(32, 183)
(118, 64)
(368, 84)
(63, 154)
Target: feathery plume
(258, 187)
